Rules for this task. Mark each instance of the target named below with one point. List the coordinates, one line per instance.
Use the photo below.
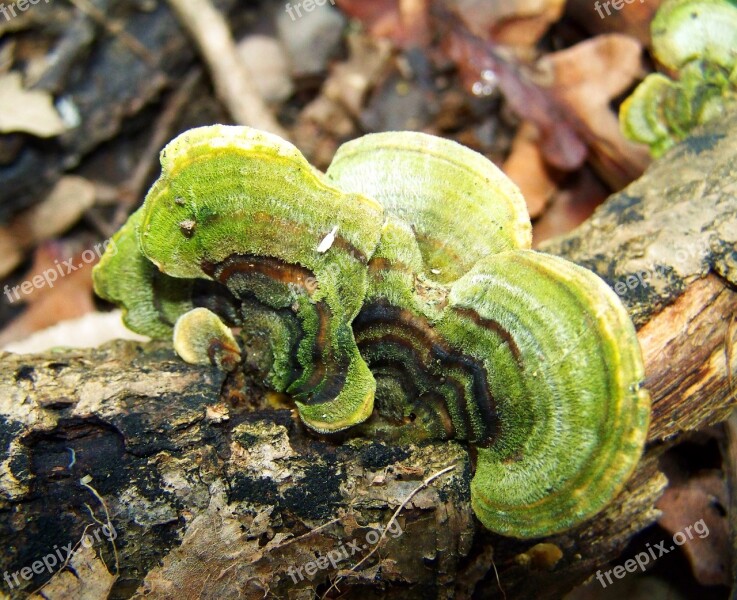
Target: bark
(213, 493)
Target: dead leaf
(479, 59)
(7, 53)
(87, 579)
(526, 167)
(694, 512)
(350, 81)
(62, 208)
(585, 79)
(68, 297)
(333, 114)
(510, 22)
(404, 22)
(633, 20)
(30, 111)
(577, 199)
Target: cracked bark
(216, 495)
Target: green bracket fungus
(399, 296)
(696, 40)
(201, 338)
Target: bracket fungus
(201, 338)
(696, 41)
(426, 316)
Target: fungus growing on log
(426, 316)
(695, 41)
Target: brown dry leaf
(700, 500)
(349, 82)
(477, 59)
(632, 19)
(332, 115)
(225, 565)
(571, 206)
(89, 579)
(11, 252)
(526, 167)
(585, 79)
(68, 297)
(232, 561)
(350, 524)
(404, 22)
(7, 55)
(62, 208)
(510, 22)
(30, 111)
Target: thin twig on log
(375, 549)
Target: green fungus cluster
(396, 294)
(696, 42)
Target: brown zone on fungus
(345, 246)
(271, 267)
(296, 229)
(390, 368)
(413, 327)
(496, 327)
(379, 264)
(327, 382)
(225, 356)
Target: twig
(132, 190)
(101, 524)
(231, 79)
(498, 581)
(420, 487)
(115, 29)
(85, 483)
(308, 534)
